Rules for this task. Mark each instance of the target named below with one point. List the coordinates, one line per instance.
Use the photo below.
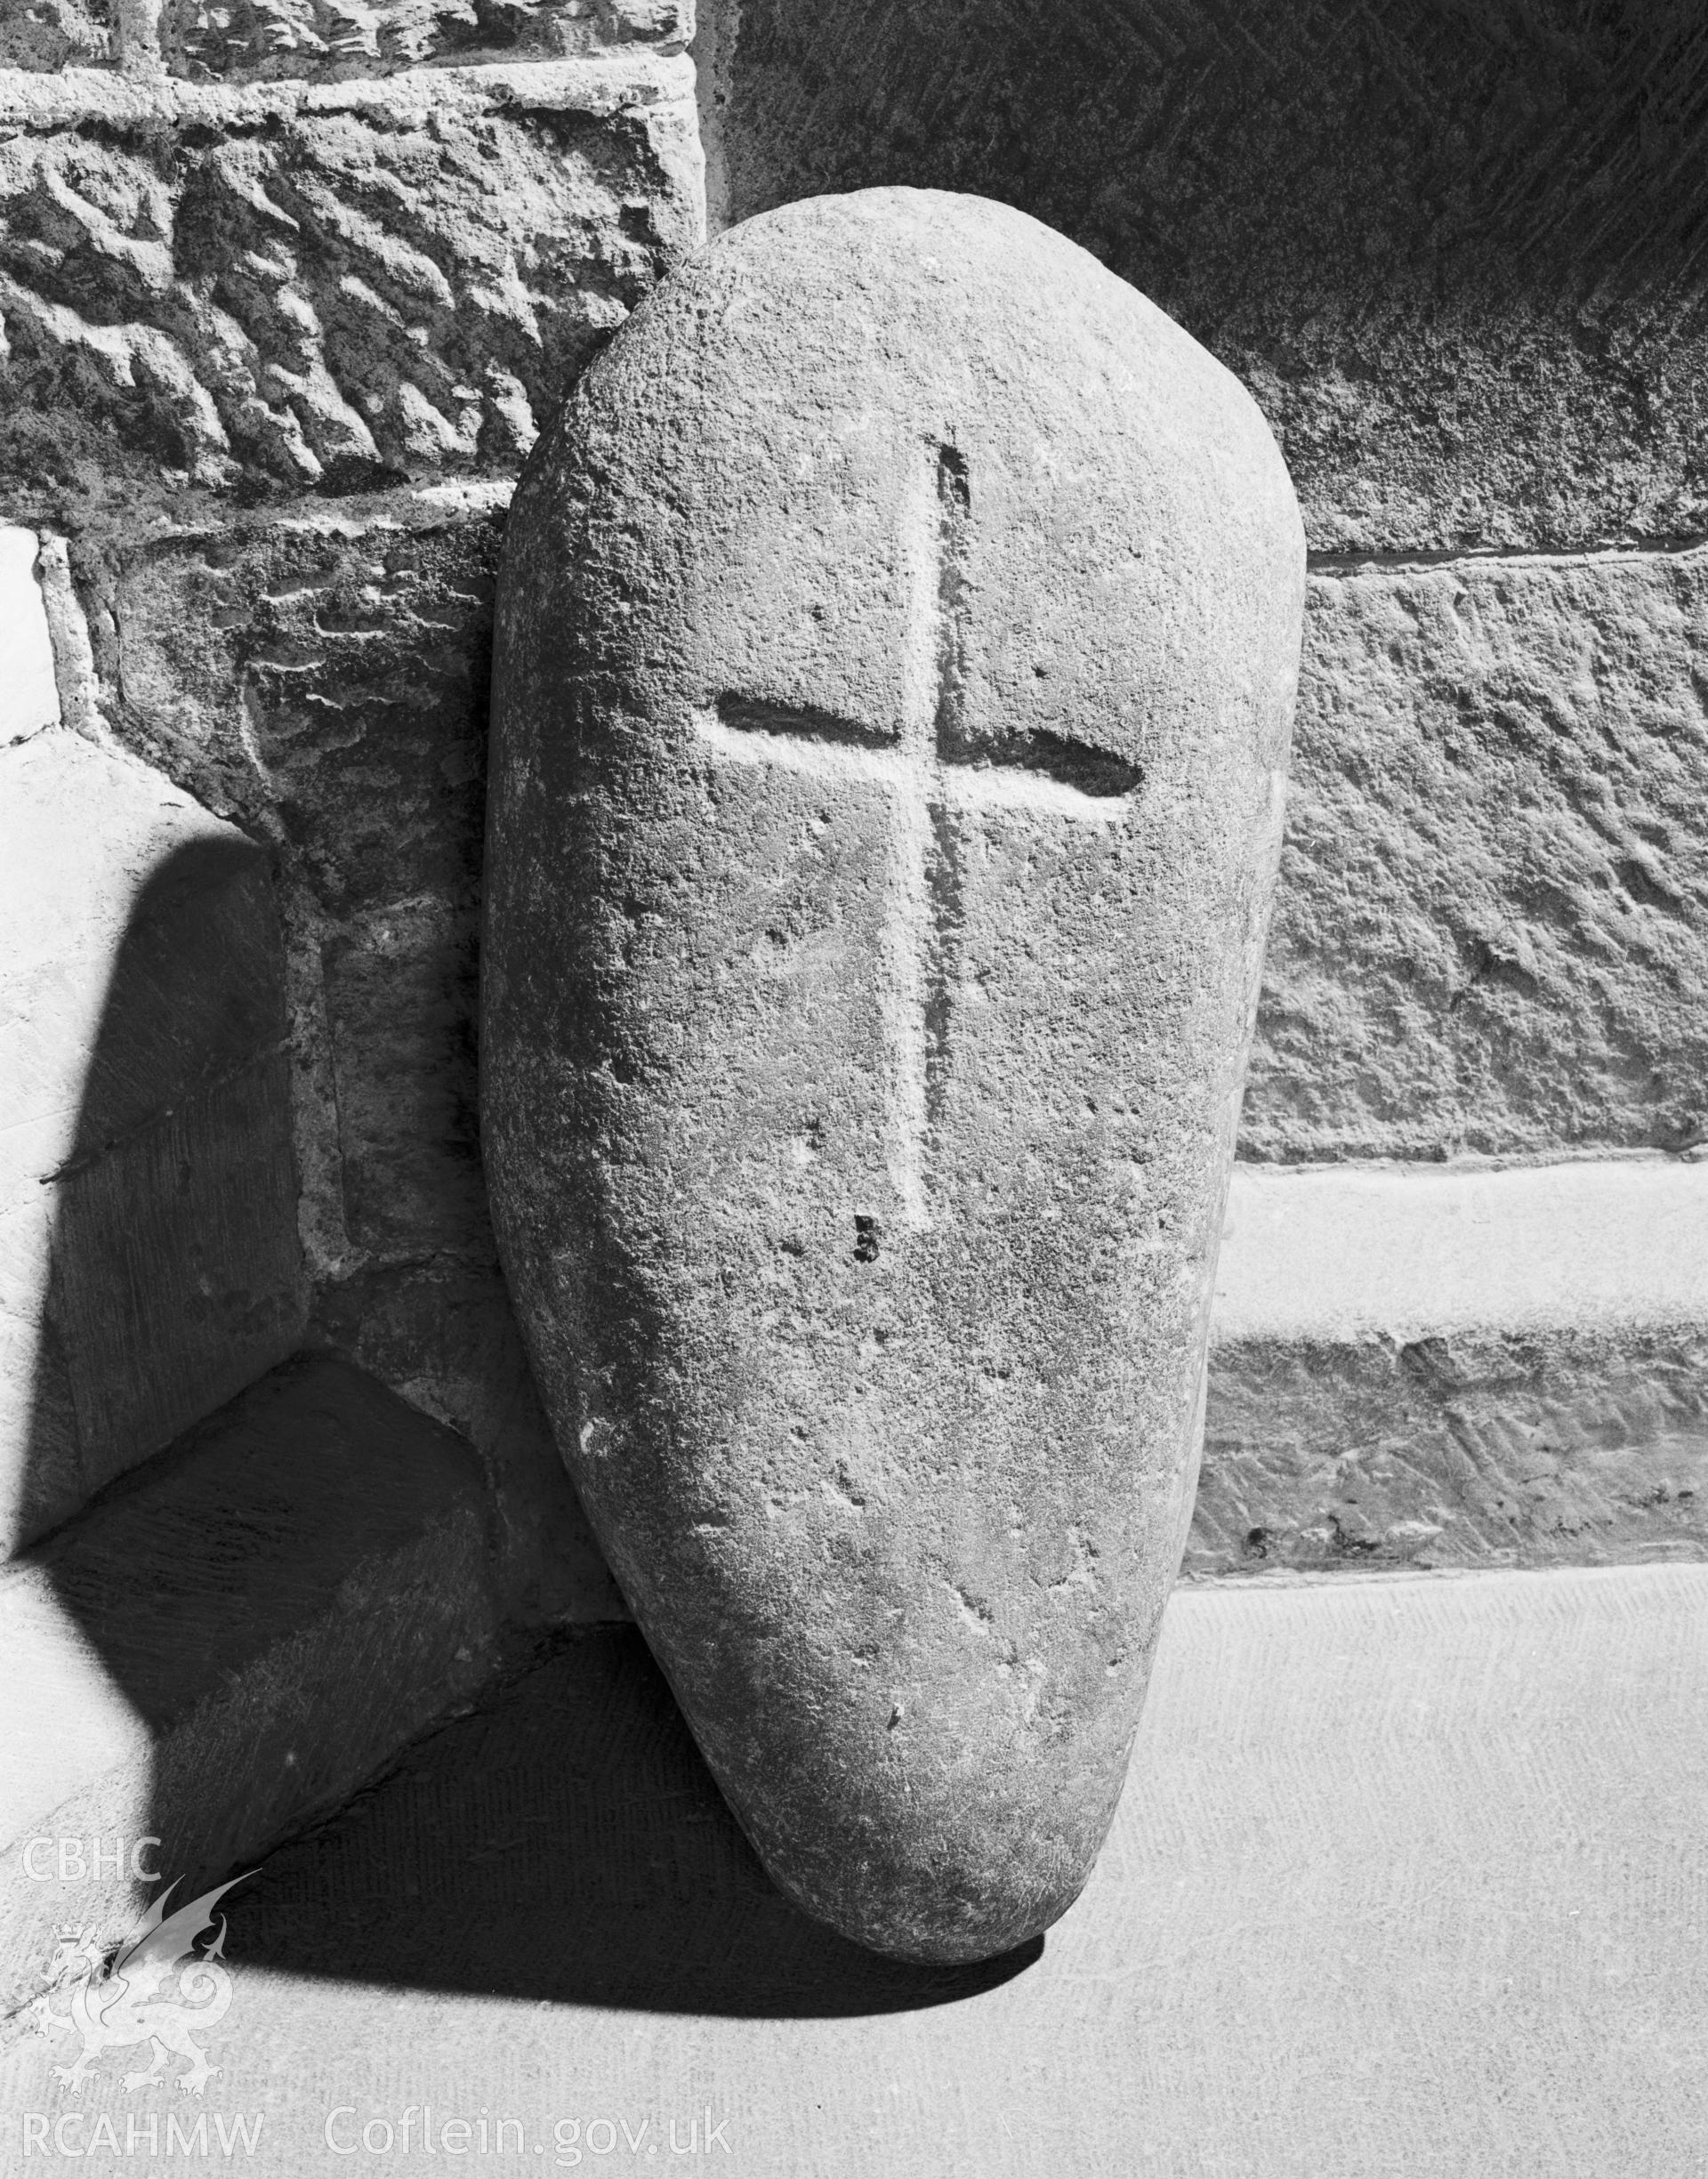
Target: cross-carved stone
(940, 771)
(899, 1521)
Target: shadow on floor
(566, 1844)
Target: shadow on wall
(329, 689)
(173, 1277)
(564, 1843)
(1455, 251)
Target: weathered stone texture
(348, 660)
(1453, 251)
(1485, 1449)
(339, 38)
(1493, 929)
(253, 251)
(328, 686)
(329, 289)
(30, 695)
(262, 287)
(326, 683)
(1480, 750)
(894, 671)
(55, 34)
(248, 40)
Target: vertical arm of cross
(938, 775)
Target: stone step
(225, 1644)
(1458, 1365)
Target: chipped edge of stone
(74, 657)
(64, 632)
(33, 698)
(1351, 564)
(599, 86)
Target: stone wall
(1454, 253)
(1493, 931)
(288, 288)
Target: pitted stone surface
(56, 34)
(339, 38)
(1492, 931)
(326, 683)
(1584, 1446)
(1453, 1365)
(895, 662)
(322, 287)
(328, 40)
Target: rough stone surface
(233, 240)
(231, 1642)
(324, 682)
(29, 696)
(350, 652)
(1492, 934)
(340, 38)
(1454, 262)
(895, 662)
(148, 1202)
(56, 34)
(1454, 252)
(1488, 1448)
(1457, 1366)
(321, 289)
(326, 39)
(1492, 928)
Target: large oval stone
(895, 670)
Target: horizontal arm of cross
(1044, 771)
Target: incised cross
(937, 771)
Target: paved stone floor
(1409, 1878)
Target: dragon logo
(128, 2006)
